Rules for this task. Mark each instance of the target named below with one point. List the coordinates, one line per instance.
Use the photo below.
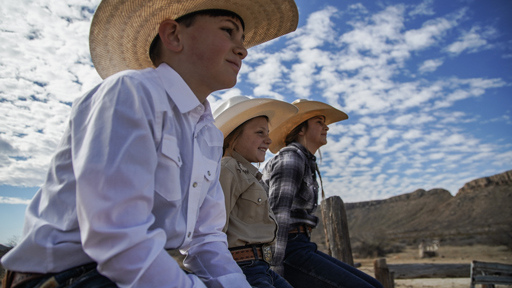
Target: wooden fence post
(382, 273)
(337, 238)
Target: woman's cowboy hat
(122, 30)
(235, 111)
(307, 109)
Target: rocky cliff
(480, 212)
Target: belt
(304, 229)
(13, 279)
(253, 252)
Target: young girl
(293, 187)
(250, 224)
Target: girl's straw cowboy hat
(122, 30)
(239, 109)
(307, 110)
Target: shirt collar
(253, 170)
(177, 89)
(304, 150)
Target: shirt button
(259, 199)
(189, 233)
(209, 174)
(194, 185)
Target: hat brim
(276, 111)
(307, 110)
(122, 31)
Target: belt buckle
(267, 253)
(308, 232)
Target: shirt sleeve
(285, 179)
(114, 161)
(208, 256)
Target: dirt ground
(446, 254)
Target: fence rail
(387, 273)
(487, 273)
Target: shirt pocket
(253, 205)
(167, 176)
(209, 168)
(307, 191)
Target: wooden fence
(337, 237)
(387, 273)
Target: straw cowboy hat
(122, 30)
(239, 109)
(307, 110)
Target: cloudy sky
(426, 84)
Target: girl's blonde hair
(232, 138)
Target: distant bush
(503, 237)
(373, 245)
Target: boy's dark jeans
(259, 275)
(306, 267)
(77, 277)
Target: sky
(427, 86)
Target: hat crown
(239, 109)
(300, 101)
(229, 103)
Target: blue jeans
(305, 266)
(259, 275)
(84, 276)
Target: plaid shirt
(293, 189)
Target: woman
(293, 187)
(250, 224)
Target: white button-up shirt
(135, 173)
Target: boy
(136, 172)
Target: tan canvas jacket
(249, 217)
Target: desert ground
(446, 254)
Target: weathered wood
(492, 279)
(387, 273)
(490, 267)
(430, 270)
(382, 273)
(336, 229)
(488, 273)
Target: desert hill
(480, 212)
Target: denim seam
(333, 284)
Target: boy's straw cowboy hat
(307, 110)
(122, 30)
(239, 109)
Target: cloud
(473, 41)
(14, 200)
(430, 65)
(425, 8)
(45, 66)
